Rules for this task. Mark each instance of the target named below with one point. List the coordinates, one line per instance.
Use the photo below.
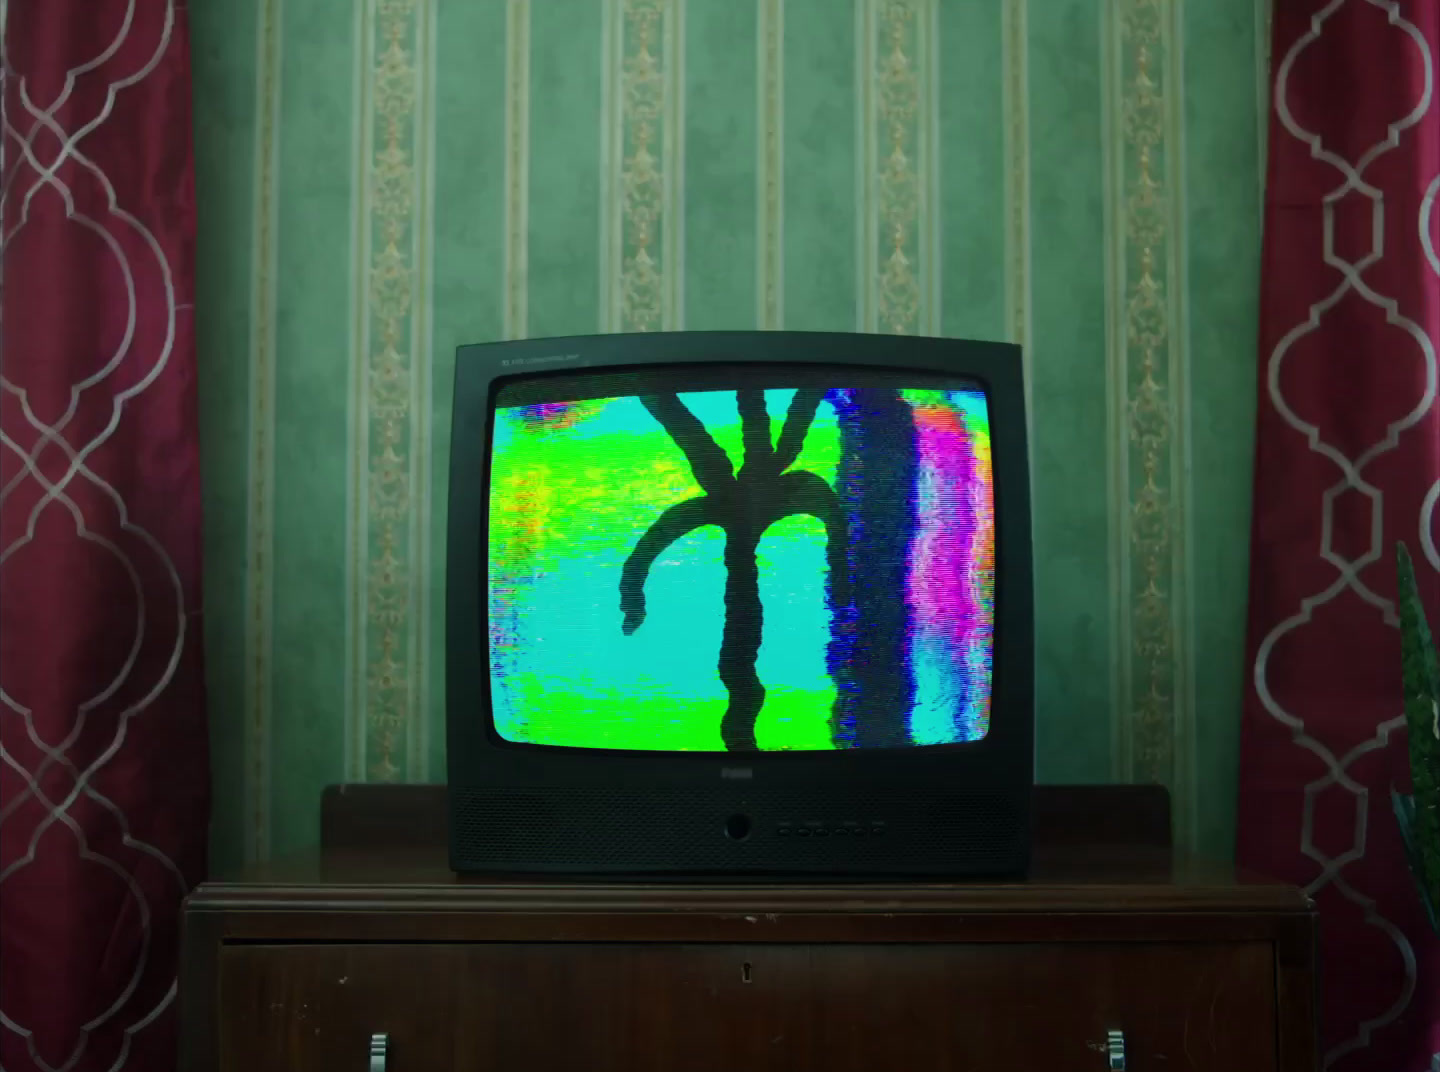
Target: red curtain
(1347, 464)
(104, 785)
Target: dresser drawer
(694, 1008)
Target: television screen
(741, 558)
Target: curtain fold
(1347, 464)
(104, 789)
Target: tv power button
(737, 827)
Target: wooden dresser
(1107, 957)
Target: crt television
(728, 604)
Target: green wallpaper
(382, 180)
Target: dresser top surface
(1069, 879)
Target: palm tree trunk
(740, 643)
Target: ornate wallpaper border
(897, 53)
(642, 166)
(1148, 414)
(386, 724)
(260, 503)
(770, 169)
(517, 168)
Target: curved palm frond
(674, 524)
(708, 460)
(805, 493)
(754, 430)
(797, 425)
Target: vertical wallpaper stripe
(770, 172)
(1181, 519)
(517, 168)
(423, 454)
(612, 39)
(1016, 93)
(897, 52)
(672, 211)
(391, 381)
(260, 520)
(357, 511)
(865, 166)
(1147, 416)
(822, 277)
(643, 162)
(1264, 17)
(1116, 436)
(930, 222)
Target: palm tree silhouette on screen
(743, 505)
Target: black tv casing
(944, 811)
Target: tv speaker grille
(590, 831)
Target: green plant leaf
(1405, 815)
(1420, 668)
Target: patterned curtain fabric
(104, 795)
(1347, 464)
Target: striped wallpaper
(382, 180)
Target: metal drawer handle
(1115, 1048)
(379, 1045)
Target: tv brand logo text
(549, 359)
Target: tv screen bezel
(481, 372)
